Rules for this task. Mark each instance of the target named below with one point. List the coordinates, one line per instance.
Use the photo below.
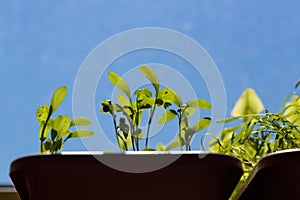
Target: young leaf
(248, 103)
(170, 96)
(127, 141)
(174, 144)
(123, 101)
(80, 122)
(81, 133)
(120, 83)
(147, 103)
(199, 103)
(42, 113)
(58, 97)
(160, 147)
(62, 125)
(47, 129)
(292, 111)
(202, 124)
(151, 76)
(239, 117)
(142, 94)
(167, 116)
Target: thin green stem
(44, 128)
(149, 125)
(116, 131)
(180, 135)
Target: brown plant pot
(276, 176)
(82, 176)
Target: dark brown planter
(276, 176)
(189, 176)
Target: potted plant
(255, 139)
(154, 172)
(128, 112)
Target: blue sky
(43, 43)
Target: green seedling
(127, 127)
(55, 132)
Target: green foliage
(57, 98)
(132, 111)
(151, 76)
(248, 103)
(183, 112)
(58, 128)
(257, 134)
(119, 82)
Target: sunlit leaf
(199, 103)
(292, 111)
(229, 119)
(202, 124)
(120, 83)
(142, 94)
(160, 147)
(248, 103)
(147, 103)
(81, 121)
(239, 117)
(47, 129)
(81, 133)
(169, 95)
(151, 76)
(56, 122)
(123, 140)
(189, 111)
(61, 125)
(58, 97)
(123, 100)
(174, 144)
(42, 113)
(167, 116)
(143, 97)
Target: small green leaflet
(167, 116)
(170, 96)
(199, 103)
(120, 83)
(81, 133)
(151, 76)
(61, 125)
(174, 144)
(202, 124)
(80, 122)
(58, 97)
